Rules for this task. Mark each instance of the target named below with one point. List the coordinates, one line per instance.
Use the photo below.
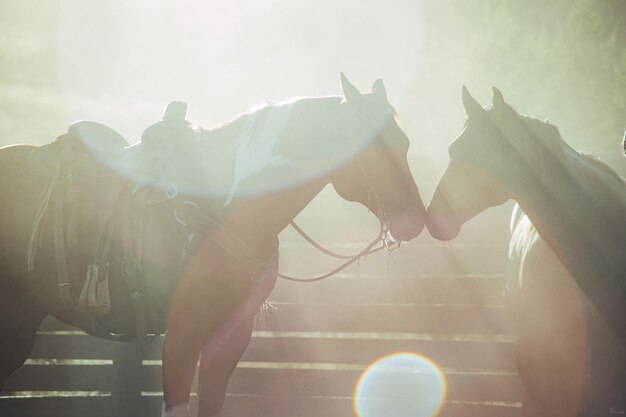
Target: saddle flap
(93, 206)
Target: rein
(381, 238)
(384, 238)
(204, 223)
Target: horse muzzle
(443, 226)
(406, 225)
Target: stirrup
(95, 297)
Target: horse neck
(578, 209)
(264, 216)
(259, 220)
(274, 146)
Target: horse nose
(442, 226)
(407, 225)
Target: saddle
(93, 176)
(98, 187)
(77, 164)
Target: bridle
(384, 239)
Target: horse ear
(472, 107)
(497, 100)
(379, 88)
(350, 92)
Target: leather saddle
(98, 185)
(93, 182)
(94, 166)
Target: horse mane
(272, 135)
(550, 135)
(227, 130)
(602, 166)
(255, 110)
(544, 130)
(223, 128)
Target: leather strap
(63, 281)
(83, 319)
(131, 263)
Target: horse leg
(217, 363)
(530, 407)
(605, 355)
(18, 327)
(553, 336)
(201, 302)
(222, 354)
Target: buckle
(389, 242)
(188, 209)
(130, 268)
(171, 191)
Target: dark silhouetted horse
(567, 286)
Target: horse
(566, 286)
(201, 253)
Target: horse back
(15, 181)
(13, 157)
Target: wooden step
(254, 378)
(235, 406)
(456, 351)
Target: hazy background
(119, 62)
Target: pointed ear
(497, 100)
(350, 92)
(379, 89)
(472, 107)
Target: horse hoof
(178, 411)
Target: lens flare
(402, 384)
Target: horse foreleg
(553, 336)
(222, 353)
(201, 303)
(606, 354)
(217, 363)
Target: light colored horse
(210, 246)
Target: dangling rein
(385, 243)
(199, 222)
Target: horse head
(480, 158)
(378, 176)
